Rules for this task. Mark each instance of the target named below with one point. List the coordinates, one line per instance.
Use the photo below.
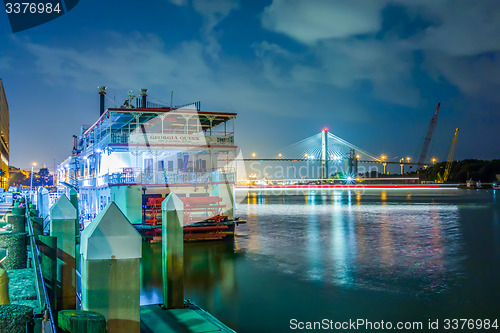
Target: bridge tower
(324, 153)
(352, 163)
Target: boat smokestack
(102, 92)
(143, 97)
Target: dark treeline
(23, 177)
(461, 171)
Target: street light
(408, 159)
(384, 163)
(31, 180)
(434, 160)
(279, 155)
(253, 154)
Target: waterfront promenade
(39, 296)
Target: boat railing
(122, 137)
(141, 176)
(88, 181)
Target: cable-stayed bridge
(332, 153)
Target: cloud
(477, 76)
(213, 12)
(142, 60)
(274, 62)
(460, 44)
(263, 48)
(325, 19)
(462, 28)
(339, 59)
(124, 63)
(383, 71)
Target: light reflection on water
(369, 245)
(343, 255)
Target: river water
(378, 255)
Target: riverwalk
(51, 284)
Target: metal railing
(43, 298)
(123, 137)
(139, 176)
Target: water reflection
(207, 269)
(343, 243)
(252, 232)
(313, 245)
(338, 256)
(370, 246)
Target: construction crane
(449, 161)
(428, 137)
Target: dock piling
(73, 197)
(19, 210)
(16, 318)
(43, 204)
(18, 223)
(111, 250)
(173, 252)
(15, 243)
(79, 321)
(62, 226)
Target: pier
(60, 280)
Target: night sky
(372, 71)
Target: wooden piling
(73, 197)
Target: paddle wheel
(203, 218)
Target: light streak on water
(364, 246)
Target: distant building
(4, 138)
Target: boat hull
(201, 231)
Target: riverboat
(138, 153)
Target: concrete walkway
(191, 319)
